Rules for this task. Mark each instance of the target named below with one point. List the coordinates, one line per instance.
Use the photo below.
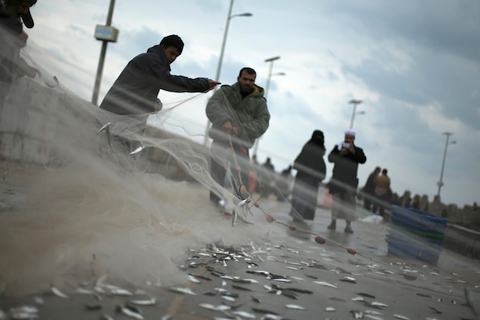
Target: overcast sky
(415, 64)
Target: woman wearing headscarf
(311, 170)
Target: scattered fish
(264, 311)
(356, 299)
(130, 312)
(240, 287)
(378, 305)
(400, 317)
(357, 314)
(182, 290)
(215, 308)
(244, 314)
(58, 293)
(366, 295)
(38, 300)
(83, 291)
(329, 309)
(121, 292)
(435, 310)
(149, 302)
(424, 295)
(193, 279)
(349, 279)
(227, 298)
(25, 312)
(325, 284)
(294, 307)
(369, 316)
(106, 317)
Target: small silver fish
(244, 314)
(400, 317)
(58, 293)
(215, 308)
(294, 307)
(193, 279)
(182, 290)
(130, 313)
(326, 284)
(150, 302)
(121, 292)
(330, 309)
(378, 304)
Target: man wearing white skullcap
(343, 186)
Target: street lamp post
(354, 112)
(270, 74)
(220, 60)
(105, 34)
(440, 183)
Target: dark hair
(173, 41)
(384, 171)
(247, 70)
(17, 2)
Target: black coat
(310, 163)
(345, 169)
(136, 89)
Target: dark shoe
(332, 226)
(348, 229)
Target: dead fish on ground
(193, 279)
(240, 287)
(400, 317)
(357, 314)
(228, 298)
(376, 304)
(149, 302)
(325, 284)
(366, 295)
(330, 309)
(435, 310)
(294, 307)
(130, 312)
(25, 312)
(369, 316)
(38, 300)
(337, 299)
(83, 291)
(182, 290)
(424, 295)
(58, 293)
(264, 311)
(201, 277)
(214, 308)
(349, 279)
(121, 292)
(244, 314)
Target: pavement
(289, 276)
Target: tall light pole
(220, 60)
(105, 34)
(440, 183)
(270, 74)
(355, 103)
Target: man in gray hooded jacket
(239, 116)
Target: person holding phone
(343, 187)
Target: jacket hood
(257, 90)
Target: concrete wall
(28, 123)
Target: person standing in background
(343, 187)
(311, 171)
